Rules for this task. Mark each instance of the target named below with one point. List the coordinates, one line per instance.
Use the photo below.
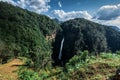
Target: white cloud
(113, 22)
(37, 6)
(108, 15)
(62, 15)
(108, 12)
(59, 3)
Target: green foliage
(81, 34)
(76, 69)
(28, 63)
(95, 68)
(28, 75)
(84, 55)
(107, 55)
(80, 58)
(113, 39)
(4, 50)
(74, 60)
(117, 52)
(23, 33)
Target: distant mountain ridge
(58, 21)
(115, 27)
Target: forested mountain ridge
(24, 33)
(16, 14)
(81, 34)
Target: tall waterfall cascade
(61, 47)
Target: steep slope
(23, 33)
(80, 35)
(113, 38)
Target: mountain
(24, 33)
(57, 20)
(81, 34)
(115, 27)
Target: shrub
(84, 55)
(106, 55)
(81, 57)
(117, 52)
(28, 63)
(28, 75)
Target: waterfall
(60, 53)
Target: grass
(101, 67)
(8, 71)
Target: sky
(105, 12)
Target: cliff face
(80, 35)
(51, 37)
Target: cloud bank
(108, 12)
(37, 6)
(63, 16)
(114, 22)
(108, 15)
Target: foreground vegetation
(80, 67)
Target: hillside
(81, 34)
(102, 67)
(23, 33)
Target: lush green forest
(23, 33)
(81, 34)
(90, 51)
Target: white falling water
(60, 53)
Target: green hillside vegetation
(102, 67)
(23, 33)
(81, 34)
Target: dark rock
(77, 37)
(117, 75)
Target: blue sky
(89, 5)
(101, 11)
